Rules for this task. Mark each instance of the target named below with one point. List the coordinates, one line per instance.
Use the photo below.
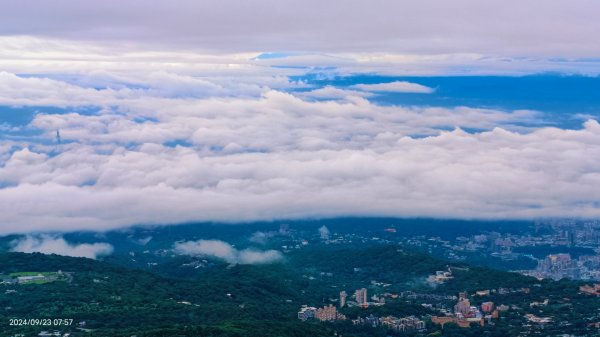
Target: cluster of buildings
(361, 299)
(411, 295)
(591, 290)
(559, 235)
(31, 278)
(465, 314)
(538, 320)
(55, 333)
(404, 324)
(462, 310)
(330, 313)
(558, 266)
(440, 276)
(327, 313)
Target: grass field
(55, 275)
(31, 273)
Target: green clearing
(31, 273)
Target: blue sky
(564, 100)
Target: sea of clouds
(158, 139)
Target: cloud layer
(174, 113)
(533, 28)
(48, 244)
(226, 252)
(174, 147)
(151, 136)
(113, 65)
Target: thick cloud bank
(232, 111)
(48, 244)
(175, 142)
(224, 251)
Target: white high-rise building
(361, 297)
(343, 296)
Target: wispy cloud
(397, 86)
(224, 251)
(324, 232)
(48, 244)
(261, 237)
(330, 92)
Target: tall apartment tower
(361, 297)
(343, 296)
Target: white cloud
(48, 244)
(274, 121)
(17, 91)
(261, 237)
(144, 241)
(495, 174)
(224, 251)
(97, 65)
(330, 92)
(397, 86)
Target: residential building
(591, 290)
(405, 324)
(360, 295)
(487, 307)
(343, 297)
(306, 313)
(463, 306)
(329, 313)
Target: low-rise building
(306, 313)
(482, 292)
(590, 290)
(370, 320)
(440, 277)
(30, 278)
(502, 307)
(461, 322)
(487, 307)
(538, 320)
(404, 324)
